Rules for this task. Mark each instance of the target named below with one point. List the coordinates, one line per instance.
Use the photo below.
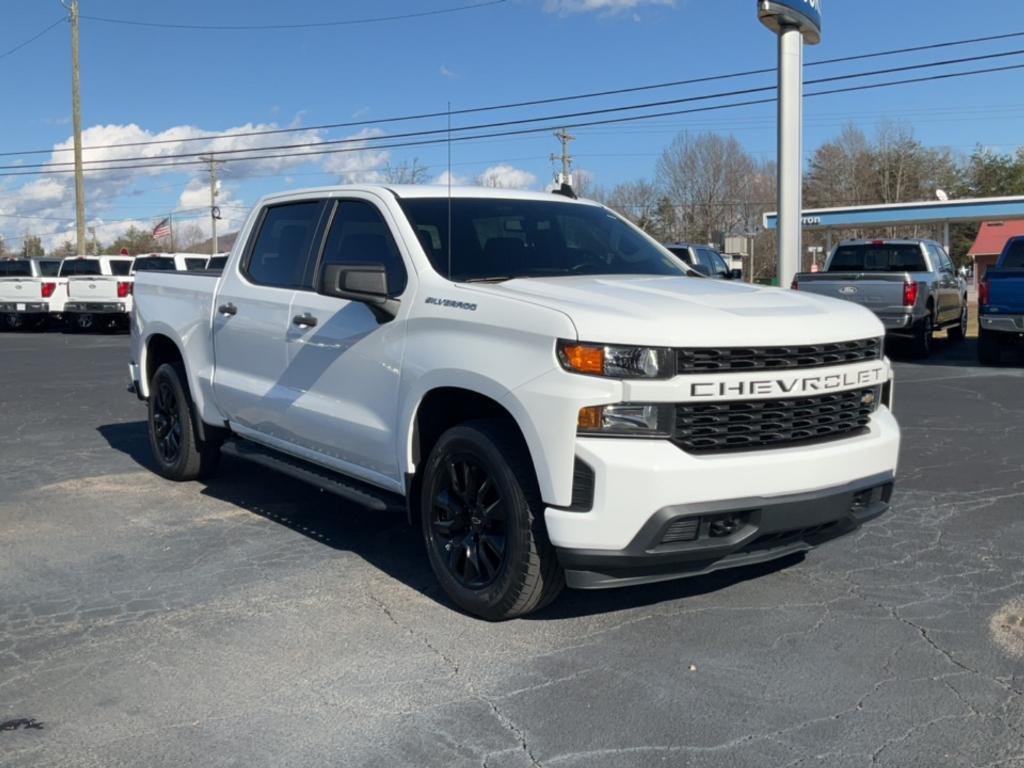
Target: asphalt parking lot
(253, 621)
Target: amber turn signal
(584, 359)
(590, 418)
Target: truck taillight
(909, 294)
(795, 285)
(47, 289)
(983, 293)
(124, 289)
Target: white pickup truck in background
(550, 394)
(99, 292)
(170, 262)
(27, 288)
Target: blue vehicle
(1001, 304)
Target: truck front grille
(704, 360)
(756, 424)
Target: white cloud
(506, 177)
(457, 181)
(46, 205)
(604, 7)
(450, 74)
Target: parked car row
(82, 293)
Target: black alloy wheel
(167, 422)
(467, 522)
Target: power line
(311, 25)
(530, 103)
(32, 39)
(246, 152)
(527, 131)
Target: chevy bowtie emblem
(848, 290)
(868, 398)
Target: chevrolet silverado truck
(1001, 304)
(26, 288)
(910, 284)
(99, 292)
(547, 393)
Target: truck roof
(890, 241)
(422, 191)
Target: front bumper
(695, 539)
(634, 481)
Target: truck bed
(1006, 291)
(878, 291)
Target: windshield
(79, 267)
(49, 268)
(121, 267)
(887, 257)
(154, 264)
(217, 262)
(496, 239)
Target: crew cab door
(252, 316)
(344, 362)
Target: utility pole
(565, 177)
(214, 210)
(76, 118)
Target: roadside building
(989, 244)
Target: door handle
(304, 321)
(228, 309)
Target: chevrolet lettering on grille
(782, 386)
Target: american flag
(163, 229)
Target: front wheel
(482, 522)
(173, 439)
(959, 332)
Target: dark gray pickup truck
(910, 284)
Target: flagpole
(170, 225)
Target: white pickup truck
(549, 393)
(27, 287)
(99, 292)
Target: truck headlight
(627, 420)
(617, 362)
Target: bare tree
(405, 172)
(189, 237)
(709, 178)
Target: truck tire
(921, 343)
(989, 348)
(482, 523)
(177, 450)
(958, 332)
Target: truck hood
(691, 311)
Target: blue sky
(138, 82)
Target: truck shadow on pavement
(387, 542)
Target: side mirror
(701, 268)
(736, 274)
(364, 283)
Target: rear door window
(359, 235)
(887, 257)
(280, 254)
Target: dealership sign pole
(794, 21)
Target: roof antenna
(449, 190)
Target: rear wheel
(989, 348)
(482, 522)
(921, 344)
(959, 332)
(173, 438)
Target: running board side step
(348, 488)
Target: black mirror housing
(364, 283)
(736, 274)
